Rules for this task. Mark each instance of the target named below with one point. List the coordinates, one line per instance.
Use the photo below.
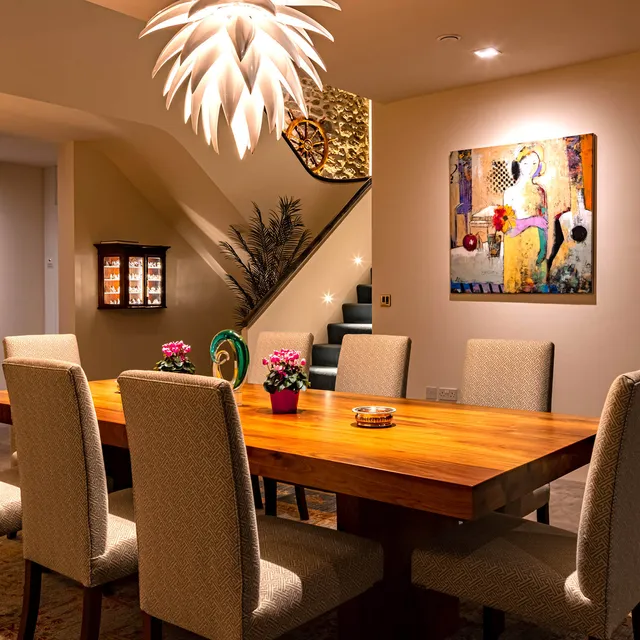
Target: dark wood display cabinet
(131, 276)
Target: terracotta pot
(284, 401)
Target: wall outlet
(432, 393)
(447, 395)
(385, 300)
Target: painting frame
(522, 219)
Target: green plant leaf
(265, 252)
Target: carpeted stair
(356, 319)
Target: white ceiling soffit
(388, 51)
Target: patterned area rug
(61, 605)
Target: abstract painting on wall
(522, 217)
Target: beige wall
(300, 306)
(595, 342)
(21, 251)
(107, 207)
(50, 195)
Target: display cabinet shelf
(131, 276)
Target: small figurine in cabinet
(131, 276)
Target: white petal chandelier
(239, 57)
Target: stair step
(323, 378)
(339, 330)
(325, 355)
(365, 293)
(357, 313)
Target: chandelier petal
(239, 57)
(301, 20)
(249, 68)
(174, 15)
(231, 85)
(242, 31)
(203, 8)
(205, 35)
(174, 47)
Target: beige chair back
(608, 556)
(374, 365)
(44, 347)
(64, 490)
(198, 549)
(508, 374)
(270, 341)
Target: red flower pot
(284, 401)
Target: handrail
(315, 175)
(306, 255)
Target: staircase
(356, 319)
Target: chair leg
(270, 497)
(301, 499)
(91, 613)
(257, 496)
(151, 627)
(30, 600)
(492, 623)
(543, 514)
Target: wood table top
(450, 459)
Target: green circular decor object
(224, 342)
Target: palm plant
(265, 252)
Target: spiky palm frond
(265, 252)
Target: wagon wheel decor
(310, 141)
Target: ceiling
(388, 50)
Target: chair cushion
(513, 565)
(306, 571)
(120, 558)
(10, 509)
(529, 503)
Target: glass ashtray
(374, 417)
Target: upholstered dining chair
(45, 347)
(512, 374)
(587, 582)
(374, 365)
(231, 575)
(268, 342)
(69, 524)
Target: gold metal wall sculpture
(344, 119)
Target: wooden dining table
(438, 465)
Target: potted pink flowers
(176, 358)
(285, 380)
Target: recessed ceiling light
(449, 37)
(489, 52)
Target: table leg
(407, 612)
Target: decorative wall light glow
(239, 56)
(357, 261)
(328, 298)
(489, 52)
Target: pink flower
(265, 362)
(303, 363)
